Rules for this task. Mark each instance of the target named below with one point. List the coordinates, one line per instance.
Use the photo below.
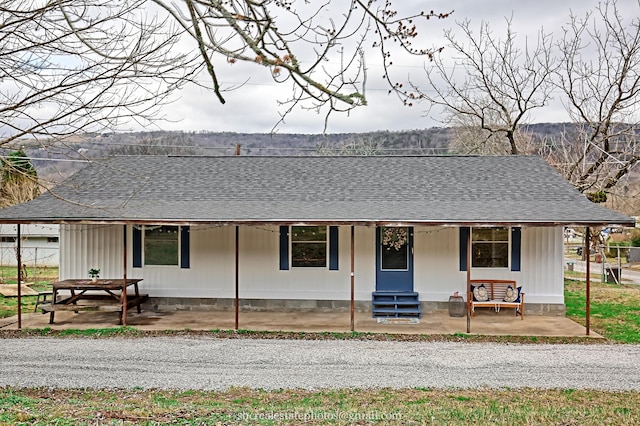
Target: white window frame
(144, 247)
(508, 242)
(292, 243)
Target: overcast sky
(254, 107)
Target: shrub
(635, 238)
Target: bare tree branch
(301, 43)
(68, 66)
(73, 66)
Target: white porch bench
(496, 292)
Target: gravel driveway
(217, 364)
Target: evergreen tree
(19, 179)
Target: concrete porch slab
(485, 322)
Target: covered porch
(485, 322)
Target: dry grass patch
(607, 292)
(340, 406)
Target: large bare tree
(487, 86)
(600, 79)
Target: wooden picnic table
(102, 295)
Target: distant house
(40, 244)
(299, 233)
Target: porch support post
(469, 295)
(19, 259)
(237, 302)
(353, 263)
(587, 245)
(124, 279)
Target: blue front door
(394, 258)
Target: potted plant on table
(94, 274)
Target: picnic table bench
(100, 295)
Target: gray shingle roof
(447, 190)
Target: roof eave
(333, 222)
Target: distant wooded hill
(432, 141)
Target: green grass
(99, 332)
(615, 309)
(41, 280)
(8, 274)
(296, 406)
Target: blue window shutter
(184, 247)
(137, 247)
(333, 248)
(464, 235)
(516, 245)
(284, 248)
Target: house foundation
(161, 304)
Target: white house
(316, 233)
(40, 244)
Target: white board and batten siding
(437, 275)
(83, 247)
(212, 264)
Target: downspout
(587, 244)
(19, 259)
(237, 302)
(124, 281)
(469, 295)
(353, 262)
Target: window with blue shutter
(308, 246)
(490, 247)
(161, 246)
